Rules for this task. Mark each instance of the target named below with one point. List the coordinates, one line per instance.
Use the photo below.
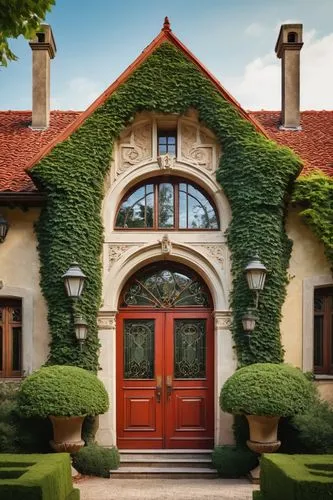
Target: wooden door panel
(190, 364)
(139, 412)
(139, 409)
(191, 413)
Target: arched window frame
(154, 269)
(176, 181)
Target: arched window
(166, 203)
(165, 285)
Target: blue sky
(235, 39)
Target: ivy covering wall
(314, 193)
(255, 173)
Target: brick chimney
(288, 48)
(43, 49)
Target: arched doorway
(165, 360)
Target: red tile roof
(19, 144)
(314, 143)
(21, 147)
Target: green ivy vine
(314, 193)
(255, 173)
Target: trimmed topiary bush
(32, 477)
(296, 477)
(94, 460)
(233, 462)
(267, 389)
(62, 391)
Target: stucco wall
(307, 263)
(19, 273)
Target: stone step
(152, 457)
(167, 452)
(164, 472)
(166, 462)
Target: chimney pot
(288, 48)
(43, 49)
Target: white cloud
(79, 93)
(260, 85)
(254, 29)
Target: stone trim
(309, 285)
(26, 295)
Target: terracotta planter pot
(67, 434)
(263, 438)
(263, 434)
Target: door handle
(158, 388)
(169, 386)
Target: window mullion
(156, 206)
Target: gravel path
(157, 489)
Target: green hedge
(17, 434)
(233, 462)
(32, 477)
(62, 391)
(94, 460)
(267, 389)
(296, 477)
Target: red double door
(165, 379)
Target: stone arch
(133, 259)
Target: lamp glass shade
(74, 281)
(81, 328)
(249, 322)
(256, 274)
(3, 228)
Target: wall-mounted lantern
(256, 274)
(74, 280)
(4, 226)
(81, 329)
(249, 321)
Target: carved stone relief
(166, 161)
(223, 321)
(216, 251)
(197, 147)
(135, 147)
(166, 245)
(116, 251)
(106, 322)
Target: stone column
(106, 434)
(225, 366)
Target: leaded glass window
(167, 203)
(190, 348)
(323, 331)
(166, 287)
(139, 341)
